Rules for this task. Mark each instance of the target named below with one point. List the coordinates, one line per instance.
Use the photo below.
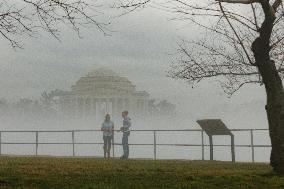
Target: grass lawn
(44, 172)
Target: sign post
(216, 127)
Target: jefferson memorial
(100, 92)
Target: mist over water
(239, 117)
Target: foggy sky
(140, 46)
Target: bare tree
(242, 42)
(161, 108)
(21, 18)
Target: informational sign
(216, 127)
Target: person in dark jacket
(125, 129)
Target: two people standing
(108, 134)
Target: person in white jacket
(107, 128)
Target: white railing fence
(72, 133)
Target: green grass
(30, 172)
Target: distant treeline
(48, 106)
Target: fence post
(155, 146)
(202, 143)
(36, 143)
(73, 142)
(211, 147)
(252, 145)
(233, 148)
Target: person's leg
(105, 145)
(124, 141)
(108, 146)
(126, 147)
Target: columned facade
(103, 91)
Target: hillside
(44, 172)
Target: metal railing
(73, 142)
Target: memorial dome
(102, 72)
(103, 80)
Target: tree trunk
(273, 85)
(275, 115)
(275, 102)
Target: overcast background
(141, 46)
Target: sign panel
(214, 127)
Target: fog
(140, 46)
(237, 117)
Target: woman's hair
(125, 112)
(107, 116)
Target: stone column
(85, 107)
(94, 107)
(81, 107)
(110, 105)
(73, 105)
(146, 106)
(124, 104)
(127, 107)
(136, 106)
(107, 105)
(114, 102)
(89, 106)
(131, 106)
(142, 107)
(77, 107)
(118, 105)
(98, 100)
(83, 101)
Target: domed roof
(102, 72)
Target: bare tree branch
(225, 50)
(236, 34)
(239, 1)
(28, 17)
